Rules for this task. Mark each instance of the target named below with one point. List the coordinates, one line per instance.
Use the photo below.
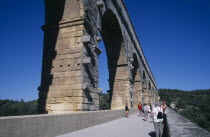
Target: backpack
(159, 115)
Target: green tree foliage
(194, 105)
(15, 108)
(104, 101)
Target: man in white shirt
(157, 115)
(146, 111)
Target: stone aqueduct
(72, 31)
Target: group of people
(158, 114)
(145, 109)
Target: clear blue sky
(175, 37)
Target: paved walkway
(134, 126)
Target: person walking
(149, 110)
(126, 110)
(150, 107)
(164, 107)
(157, 115)
(140, 108)
(146, 111)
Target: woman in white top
(146, 111)
(157, 115)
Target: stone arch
(136, 80)
(144, 75)
(117, 60)
(149, 92)
(144, 80)
(149, 85)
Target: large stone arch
(117, 60)
(136, 80)
(70, 56)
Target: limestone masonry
(70, 76)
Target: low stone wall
(179, 126)
(57, 124)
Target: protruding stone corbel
(99, 90)
(86, 39)
(97, 50)
(100, 4)
(85, 86)
(130, 55)
(131, 59)
(131, 66)
(144, 86)
(86, 60)
(99, 38)
(99, 22)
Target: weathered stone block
(100, 4)
(51, 101)
(77, 93)
(144, 86)
(54, 94)
(73, 80)
(86, 60)
(86, 39)
(61, 107)
(97, 50)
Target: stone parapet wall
(180, 126)
(55, 124)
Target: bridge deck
(134, 126)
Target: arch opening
(116, 60)
(136, 81)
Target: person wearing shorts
(140, 108)
(126, 110)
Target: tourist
(149, 109)
(157, 115)
(126, 110)
(146, 108)
(140, 108)
(164, 106)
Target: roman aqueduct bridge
(72, 32)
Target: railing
(55, 124)
(179, 126)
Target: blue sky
(174, 35)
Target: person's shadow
(152, 134)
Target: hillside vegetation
(194, 105)
(15, 108)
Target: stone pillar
(69, 71)
(137, 88)
(145, 90)
(121, 83)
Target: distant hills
(194, 105)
